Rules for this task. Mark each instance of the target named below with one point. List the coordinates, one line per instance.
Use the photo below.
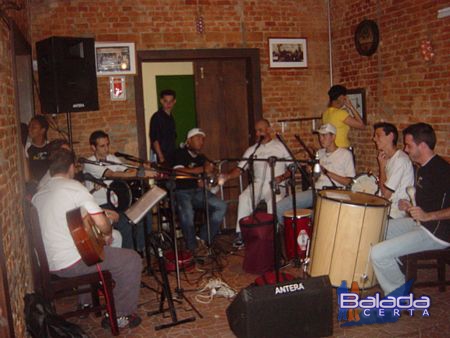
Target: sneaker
(129, 321)
(238, 241)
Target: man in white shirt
(337, 170)
(264, 149)
(99, 142)
(61, 194)
(396, 172)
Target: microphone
(91, 178)
(119, 154)
(316, 168)
(261, 138)
(85, 160)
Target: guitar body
(87, 237)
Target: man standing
(396, 172)
(99, 142)
(264, 149)
(337, 170)
(162, 129)
(189, 193)
(428, 228)
(36, 150)
(62, 194)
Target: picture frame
(115, 58)
(358, 98)
(288, 53)
(117, 88)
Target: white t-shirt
(339, 162)
(399, 175)
(52, 202)
(98, 171)
(262, 168)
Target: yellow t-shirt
(336, 117)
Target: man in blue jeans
(190, 194)
(428, 228)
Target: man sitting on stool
(428, 228)
(337, 170)
(189, 193)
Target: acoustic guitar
(86, 235)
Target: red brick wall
(401, 87)
(171, 25)
(11, 220)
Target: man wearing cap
(190, 193)
(339, 117)
(265, 148)
(337, 170)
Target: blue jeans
(304, 200)
(187, 200)
(403, 237)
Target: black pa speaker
(293, 308)
(67, 75)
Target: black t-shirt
(184, 158)
(38, 159)
(162, 129)
(432, 193)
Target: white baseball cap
(327, 128)
(195, 131)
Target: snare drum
(366, 183)
(301, 237)
(346, 225)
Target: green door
(184, 110)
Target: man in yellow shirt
(340, 118)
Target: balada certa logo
(376, 310)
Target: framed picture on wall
(288, 53)
(115, 58)
(358, 98)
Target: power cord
(214, 287)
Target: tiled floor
(214, 322)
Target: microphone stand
(293, 169)
(251, 171)
(272, 161)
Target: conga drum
(346, 225)
(297, 232)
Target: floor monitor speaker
(296, 308)
(67, 75)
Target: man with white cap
(189, 193)
(337, 170)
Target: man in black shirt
(189, 193)
(428, 228)
(162, 129)
(36, 150)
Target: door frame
(254, 97)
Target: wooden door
(223, 112)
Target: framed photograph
(117, 88)
(288, 53)
(358, 98)
(115, 58)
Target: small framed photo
(115, 58)
(358, 98)
(288, 53)
(117, 88)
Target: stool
(421, 260)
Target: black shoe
(238, 241)
(129, 321)
(83, 307)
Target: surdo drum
(346, 225)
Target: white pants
(262, 192)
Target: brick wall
(401, 87)
(12, 226)
(171, 25)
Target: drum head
(300, 213)
(119, 195)
(355, 198)
(365, 183)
